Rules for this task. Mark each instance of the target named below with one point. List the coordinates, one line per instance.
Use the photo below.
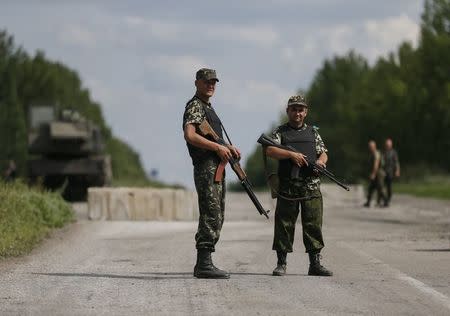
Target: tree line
(404, 96)
(27, 80)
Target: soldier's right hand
(224, 153)
(299, 159)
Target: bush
(27, 215)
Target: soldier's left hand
(321, 163)
(236, 153)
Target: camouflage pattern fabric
(372, 158)
(211, 201)
(194, 112)
(297, 100)
(312, 182)
(206, 74)
(211, 195)
(286, 215)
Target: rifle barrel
(254, 199)
(267, 141)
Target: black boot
(315, 268)
(204, 268)
(280, 270)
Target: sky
(138, 58)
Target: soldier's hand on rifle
(298, 158)
(236, 153)
(320, 163)
(223, 152)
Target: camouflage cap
(206, 74)
(297, 100)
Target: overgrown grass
(432, 186)
(27, 215)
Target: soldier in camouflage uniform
(391, 167)
(303, 191)
(206, 156)
(376, 175)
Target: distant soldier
(302, 192)
(206, 156)
(11, 171)
(391, 167)
(376, 175)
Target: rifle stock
(206, 130)
(267, 141)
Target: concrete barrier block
(184, 205)
(141, 204)
(98, 199)
(120, 204)
(146, 205)
(167, 198)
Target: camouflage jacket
(194, 112)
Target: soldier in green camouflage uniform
(376, 175)
(206, 156)
(302, 191)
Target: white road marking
(422, 287)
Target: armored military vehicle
(66, 152)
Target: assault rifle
(267, 141)
(206, 130)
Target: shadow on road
(434, 250)
(164, 276)
(361, 218)
(149, 275)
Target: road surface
(393, 261)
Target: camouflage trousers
(286, 215)
(211, 202)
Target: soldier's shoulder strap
(194, 98)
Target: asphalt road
(393, 261)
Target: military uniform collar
(203, 101)
(303, 127)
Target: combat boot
(315, 268)
(280, 270)
(204, 268)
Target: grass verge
(27, 215)
(432, 187)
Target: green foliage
(12, 120)
(27, 81)
(431, 186)
(126, 166)
(27, 215)
(405, 96)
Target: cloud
(77, 35)
(371, 38)
(155, 28)
(179, 30)
(178, 67)
(384, 35)
(251, 95)
(258, 34)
